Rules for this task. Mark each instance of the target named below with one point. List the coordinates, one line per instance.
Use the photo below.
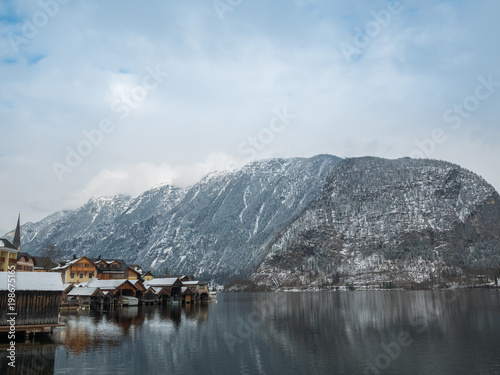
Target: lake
(360, 332)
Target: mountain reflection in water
(372, 332)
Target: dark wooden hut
(36, 300)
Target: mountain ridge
(296, 222)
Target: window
(81, 275)
(202, 286)
(91, 274)
(72, 275)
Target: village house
(25, 263)
(137, 268)
(109, 269)
(148, 276)
(8, 255)
(78, 270)
(132, 274)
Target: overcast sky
(104, 98)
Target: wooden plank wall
(32, 307)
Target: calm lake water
(372, 332)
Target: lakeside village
(33, 290)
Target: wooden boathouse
(87, 297)
(172, 285)
(115, 290)
(37, 298)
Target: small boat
(212, 295)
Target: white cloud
(225, 80)
(134, 179)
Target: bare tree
(52, 253)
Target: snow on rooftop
(157, 289)
(7, 245)
(167, 281)
(192, 282)
(66, 265)
(105, 284)
(33, 281)
(82, 292)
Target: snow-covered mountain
(218, 228)
(379, 221)
(294, 222)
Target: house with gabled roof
(109, 269)
(148, 276)
(77, 270)
(137, 268)
(25, 262)
(8, 255)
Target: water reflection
(89, 329)
(370, 332)
(383, 332)
(31, 358)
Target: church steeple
(17, 235)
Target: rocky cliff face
(378, 221)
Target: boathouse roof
(105, 284)
(166, 281)
(84, 292)
(33, 281)
(194, 282)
